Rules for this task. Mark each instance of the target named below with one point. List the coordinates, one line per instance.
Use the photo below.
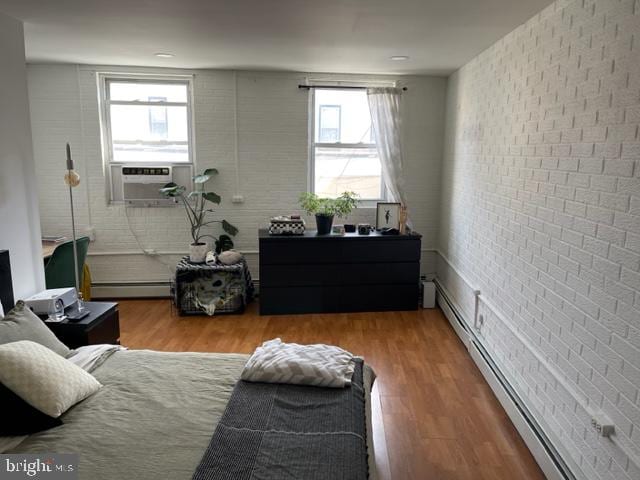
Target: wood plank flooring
(441, 421)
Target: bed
(155, 415)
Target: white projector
(52, 301)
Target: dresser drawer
(339, 274)
(333, 250)
(333, 299)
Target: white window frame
(365, 202)
(103, 79)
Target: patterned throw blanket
(290, 432)
(318, 365)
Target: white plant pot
(198, 252)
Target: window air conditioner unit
(141, 185)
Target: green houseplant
(196, 205)
(325, 209)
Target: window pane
(141, 122)
(142, 133)
(145, 92)
(345, 114)
(130, 152)
(330, 123)
(348, 169)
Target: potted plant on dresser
(325, 209)
(196, 205)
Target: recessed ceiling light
(164, 55)
(399, 58)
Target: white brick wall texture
(541, 211)
(273, 161)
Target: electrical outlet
(151, 252)
(237, 199)
(602, 425)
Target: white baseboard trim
(538, 449)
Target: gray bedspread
(153, 418)
(290, 432)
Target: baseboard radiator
(160, 289)
(541, 447)
(130, 290)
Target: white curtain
(384, 104)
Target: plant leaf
(212, 197)
(171, 190)
(201, 178)
(205, 176)
(224, 243)
(230, 229)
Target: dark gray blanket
(280, 432)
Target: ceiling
(355, 36)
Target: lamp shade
(71, 178)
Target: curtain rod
(337, 87)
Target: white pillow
(42, 378)
(1, 311)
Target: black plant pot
(324, 222)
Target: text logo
(46, 466)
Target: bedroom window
(146, 120)
(343, 152)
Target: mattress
(154, 416)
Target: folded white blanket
(318, 365)
(91, 356)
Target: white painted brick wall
(541, 211)
(273, 160)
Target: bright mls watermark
(47, 466)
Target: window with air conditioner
(344, 156)
(146, 123)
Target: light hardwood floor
(441, 421)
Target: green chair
(58, 271)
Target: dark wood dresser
(333, 273)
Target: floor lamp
(72, 179)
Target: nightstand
(102, 325)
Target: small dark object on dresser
(77, 316)
(349, 228)
(364, 229)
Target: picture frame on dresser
(388, 215)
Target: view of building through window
(147, 121)
(344, 149)
(329, 123)
(158, 122)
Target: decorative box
(284, 225)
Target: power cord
(157, 257)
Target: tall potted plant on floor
(325, 209)
(196, 205)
